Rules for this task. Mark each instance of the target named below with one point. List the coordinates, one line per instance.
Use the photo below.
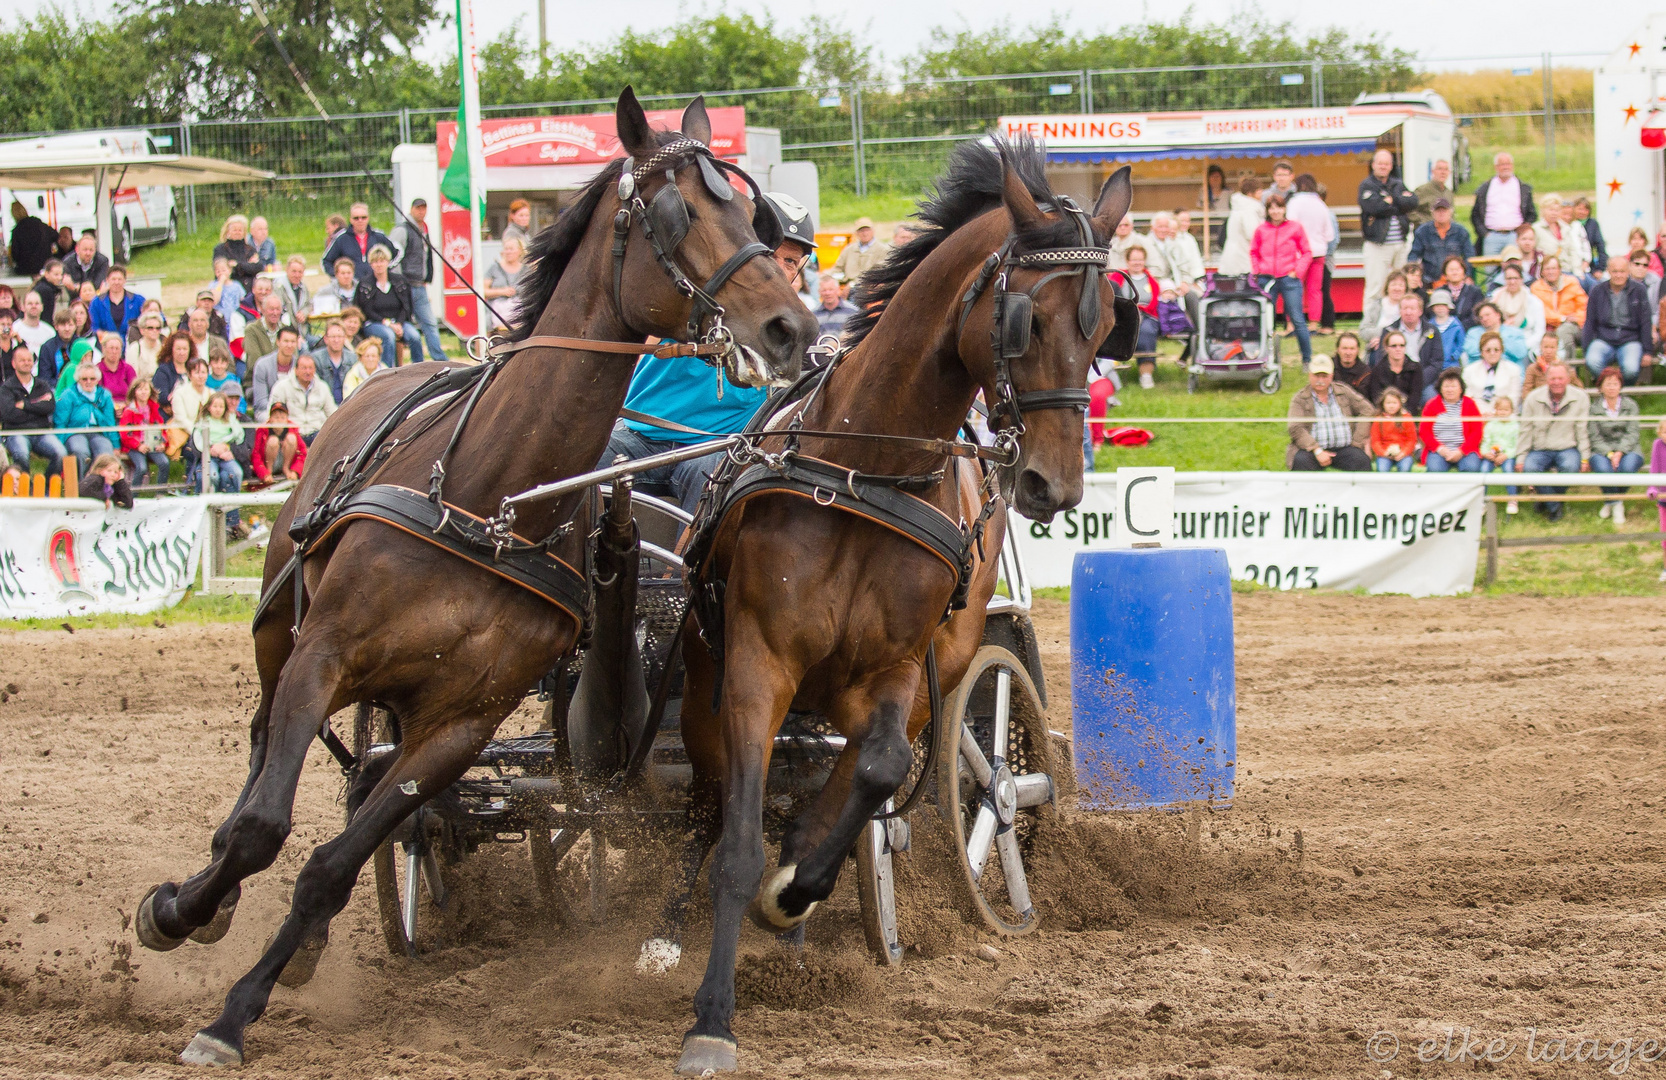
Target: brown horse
(829, 611)
(447, 647)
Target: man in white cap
(862, 254)
(1329, 424)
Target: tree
(56, 75)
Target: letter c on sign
(1128, 503)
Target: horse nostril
(1034, 489)
(785, 341)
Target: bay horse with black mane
(828, 575)
(448, 644)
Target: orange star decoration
(1635, 49)
(1614, 187)
(1631, 113)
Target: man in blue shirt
(690, 393)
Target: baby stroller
(1235, 337)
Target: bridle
(1012, 310)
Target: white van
(142, 215)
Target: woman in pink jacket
(1280, 256)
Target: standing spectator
(1498, 445)
(272, 369)
(115, 307)
(309, 401)
(1555, 435)
(1492, 377)
(1147, 292)
(1615, 446)
(1397, 370)
(261, 336)
(333, 358)
(1503, 203)
(144, 354)
(65, 247)
(1353, 368)
(87, 405)
(1437, 189)
(34, 331)
(293, 291)
(1490, 319)
(1657, 492)
(1617, 324)
(334, 226)
(227, 294)
(1563, 301)
(1329, 425)
(279, 451)
(1393, 434)
(520, 223)
(1439, 239)
(1520, 308)
(369, 363)
(28, 403)
(863, 253)
(414, 258)
(115, 374)
(1451, 429)
(32, 241)
(1280, 257)
(1246, 216)
(234, 247)
(1284, 182)
(832, 311)
(1465, 295)
(338, 294)
(1450, 329)
(1217, 200)
(502, 278)
(385, 299)
(1423, 339)
(87, 263)
(1593, 233)
(145, 448)
(355, 243)
(51, 289)
(260, 238)
(1327, 313)
(1383, 203)
(1309, 211)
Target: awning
(1199, 153)
(60, 169)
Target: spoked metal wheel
(876, 885)
(410, 892)
(994, 780)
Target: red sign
(581, 140)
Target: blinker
(1016, 311)
(668, 215)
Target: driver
(686, 392)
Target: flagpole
(468, 70)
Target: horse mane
(970, 187)
(552, 249)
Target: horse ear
(1016, 197)
(631, 123)
(696, 124)
(1113, 202)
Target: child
(106, 480)
(1657, 464)
(144, 447)
(227, 293)
(1394, 434)
(223, 379)
(278, 447)
(216, 433)
(1498, 444)
(1393, 291)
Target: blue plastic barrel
(1154, 697)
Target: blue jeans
(1629, 356)
(1628, 463)
(683, 482)
(1494, 243)
(1146, 341)
(1566, 461)
(155, 459)
(1291, 289)
(1468, 463)
(1388, 464)
(227, 477)
(422, 313)
(86, 448)
(46, 446)
(390, 354)
(1509, 466)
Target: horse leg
(310, 691)
(325, 883)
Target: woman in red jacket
(1279, 256)
(1451, 428)
(1146, 294)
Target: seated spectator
(520, 223)
(352, 321)
(152, 306)
(1451, 329)
(1555, 435)
(1394, 291)
(185, 412)
(1436, 241)
(227, 293)
(1352, 369)
(52, 290)
(1533, 376)
(1650, 281)
(1147, 294)
(87, 405)
(1121, 237)
(82, 350)
(171, 369)
(217, 432)
(356, 241)
(255, 301)
(1563, 301)
(1551, 237)
(146, 449)
(1450, 437)
(86, 265)
(369, 363)
(1423, 339)
(1492, 377)
(1245, 217)
(260, 238)
(1399, 370)
(87, 292)
(260, 336)
(389, 312)
(28, 404)
(223, 380)
(1498, 445)
(502, 277)
(832, 311)
(1617, 324)
(65, 247)
(234, 247)
(334, 358)
(203, 343)
(1339, 431)
(308, 399)
(338, 294)
(293, 291)
(1525, 252)
(143, 354)
(1615, 444)
(1520, 308)
(1657, 466)
(279, 452)
(113, 309)
(34, 331)
(115, 374)
(1393, 434)
(107, 482)
(272, 369)
(1414, 281)
(1174, 267)
(1490, 319)
(54, 354)
(1280, 258)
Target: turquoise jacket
(76, 409)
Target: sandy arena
(1449, 815)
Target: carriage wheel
(410, 894)
(876, 885)
(995, 780)
(573, 885)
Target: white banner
(62, 557)
(1384, 534)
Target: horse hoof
(765, 910)
(706, 1055)
(144, 926)
(205, 1049)
(658, 956)
(304, 964)
(220, 925)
